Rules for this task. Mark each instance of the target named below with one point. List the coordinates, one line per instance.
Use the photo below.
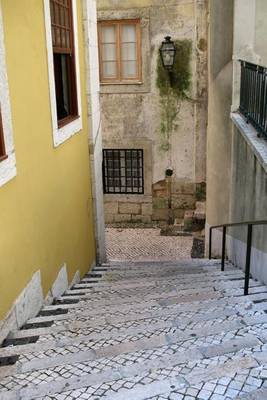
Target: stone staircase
(177, 330)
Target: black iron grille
(253, 96)
(123, 171)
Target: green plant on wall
(173, 89)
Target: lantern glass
(168, 52)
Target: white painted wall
(94, 117)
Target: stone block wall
(127, 209)
(155, 208)
(180, 197)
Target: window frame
(69, 126)
(70, 66)
(7, 157)
(3, 155)
(118, 24)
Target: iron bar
(248, 259)
(250, 225)
(210, 243)
(223, 248)
(121, 171)
(253, 96)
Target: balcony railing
(253, 96)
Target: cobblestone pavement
(146, 244)
(144, 331)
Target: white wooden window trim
(60, 135)
(7, 166)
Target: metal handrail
(250, 225)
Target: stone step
(149, 388)
(168, 319)
(184, 263)
(128, 296)
(127, 273)
(138, 331)
(120, 279)
(144, 313)
(186, 369)
(150, 288)
(170, 312)
(82, 308)
(81, 348)
(119, 371)
(109, 285)
(184, 267)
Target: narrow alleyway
(136, 331)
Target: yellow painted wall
(46, 211)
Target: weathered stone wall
(219, 133)
(237, 157)
(248, 198)
(132, 114)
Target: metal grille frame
(253, 96)
(123, 171)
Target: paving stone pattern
(144, 330)
(145, 244)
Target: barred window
(123, 171)
(120, 51)
(64, 60)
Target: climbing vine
(173, 90)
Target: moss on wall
(173, 89)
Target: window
(7, 150)
(120, 51)
(61, 25)
(64, 60)
(123, 171)
(3, 155)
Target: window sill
(257, 145)
(67, 121)
(121, 83)
(65, 132)
(8, 169)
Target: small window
(64, 60)
(123, 171)
(3, 155)
(120, 51)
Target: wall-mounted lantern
(168, 53)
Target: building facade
(151, 126)
(237, 147)
(47, 196)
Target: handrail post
(210, 243)
(248, 258)
(223, 248)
